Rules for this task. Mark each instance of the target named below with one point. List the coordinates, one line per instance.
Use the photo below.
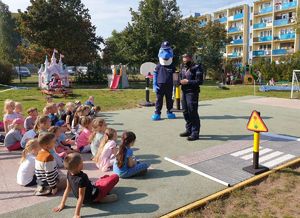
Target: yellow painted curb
(219, 194)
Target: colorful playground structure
(118, 79)
(53, 78)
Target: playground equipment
(147, 70)
(53, 78)
(295, 87)
(295, 82)
(118, 79)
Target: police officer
(190, 78)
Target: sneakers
(41, 191)
(109, 198)
(185, 134)
(155, 117)
(171, 116)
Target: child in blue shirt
(126, 165)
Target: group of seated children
(46, 148)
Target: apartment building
(274, 29)
(264, 29)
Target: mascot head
(165, 54)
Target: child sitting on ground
(44, 123)
(9, 114)
(63, 138)
(53, 117)
(30, 120)
(95, 111)
(75, 126)
(99, 126)
(61, 113)
(126, 165)
(30, 134)
(60, 149)
(107, 151)
(90, 101)
(78, 182)
(70, 114)
(13, 138)
(48, 178)
(82, 141)
(19, 110)
(26, 176)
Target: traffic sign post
(257, 125)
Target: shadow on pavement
(229, 117)
(124, 205)
(224, 137)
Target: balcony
(286, 6)
(265, 38)
(261, 25)
(222, 20)
(234, 29)
(283, 51)
(281, 22)
(238, 16)
(266, 10)
(237, 41)
(286, 36)
(261, 53)
(234, 55)
(202, 24)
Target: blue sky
(114, 14)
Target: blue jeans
(138, 168)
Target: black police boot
(185, 134)
(193, 138)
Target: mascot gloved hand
(163, 81)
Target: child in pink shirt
(9, 114)
(107, 151)
(82, 141)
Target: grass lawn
(277, 196)
(121, 99)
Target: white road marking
(196, 171)
(263, 151)
(278, 161)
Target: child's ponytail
(127, 139)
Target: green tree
(154, 22)
(64, 25)
(211, 42)
(9, 38)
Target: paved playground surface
(167, 186)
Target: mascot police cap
(165, 51)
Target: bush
(96, 74)
(6, 72)
(282, 70)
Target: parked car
(82, 70)
(71, 70)
(23, 71)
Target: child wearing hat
(13, 138)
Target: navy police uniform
(165, 87)
(190, 97)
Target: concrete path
(166, 186)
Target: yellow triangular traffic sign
(256, 124)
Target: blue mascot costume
(163, 81)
